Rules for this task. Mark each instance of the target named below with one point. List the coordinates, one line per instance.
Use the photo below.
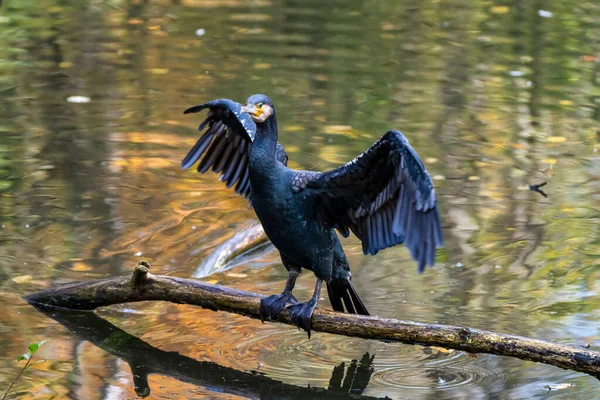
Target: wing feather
(386, 197)
(197, 150)
(230, 168)
(218, 167)
(213, 152)
(225, 145)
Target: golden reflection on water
(493, 98)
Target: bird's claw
(271, 306)
(301, 314)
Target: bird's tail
(342, 294)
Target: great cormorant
(384, 196)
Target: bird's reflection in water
(347, 381)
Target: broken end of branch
(140, 273)
(140, 380)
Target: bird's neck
(263, 154)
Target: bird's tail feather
(342, 294)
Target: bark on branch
(144, 286)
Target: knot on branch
(464, 334)
(140, 273)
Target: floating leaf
(442, 349)
(500, 10)
(557, 139)
(78, 99)
(565, 102)
(294, 128)
(22, 279)
(337, 129)
(560, 386)
(79, 266)
(234, 275)
(159, 71)
(251, 17)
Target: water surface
(493, 95)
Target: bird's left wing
(225, 144)
(385, 196)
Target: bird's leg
(271, 306)
(301, 313)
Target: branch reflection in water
(144, 359)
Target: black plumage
(226, 144)
(384, 196)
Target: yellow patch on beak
(252, 110)
(258, 114)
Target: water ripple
(286, 354)
(455, 370)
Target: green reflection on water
(493, 97)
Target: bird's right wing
(225, 145)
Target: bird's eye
(259, 105)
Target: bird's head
(260, 108)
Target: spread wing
(385, 196)
(225, 145)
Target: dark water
(493, 95)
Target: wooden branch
(144, 286)
(225, 256)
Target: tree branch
(143, 286)
(246, 243)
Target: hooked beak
(252, 110)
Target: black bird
(384, 196)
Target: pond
(494, 95)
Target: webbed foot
(301, 314)
(271, 306)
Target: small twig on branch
(125, 289)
